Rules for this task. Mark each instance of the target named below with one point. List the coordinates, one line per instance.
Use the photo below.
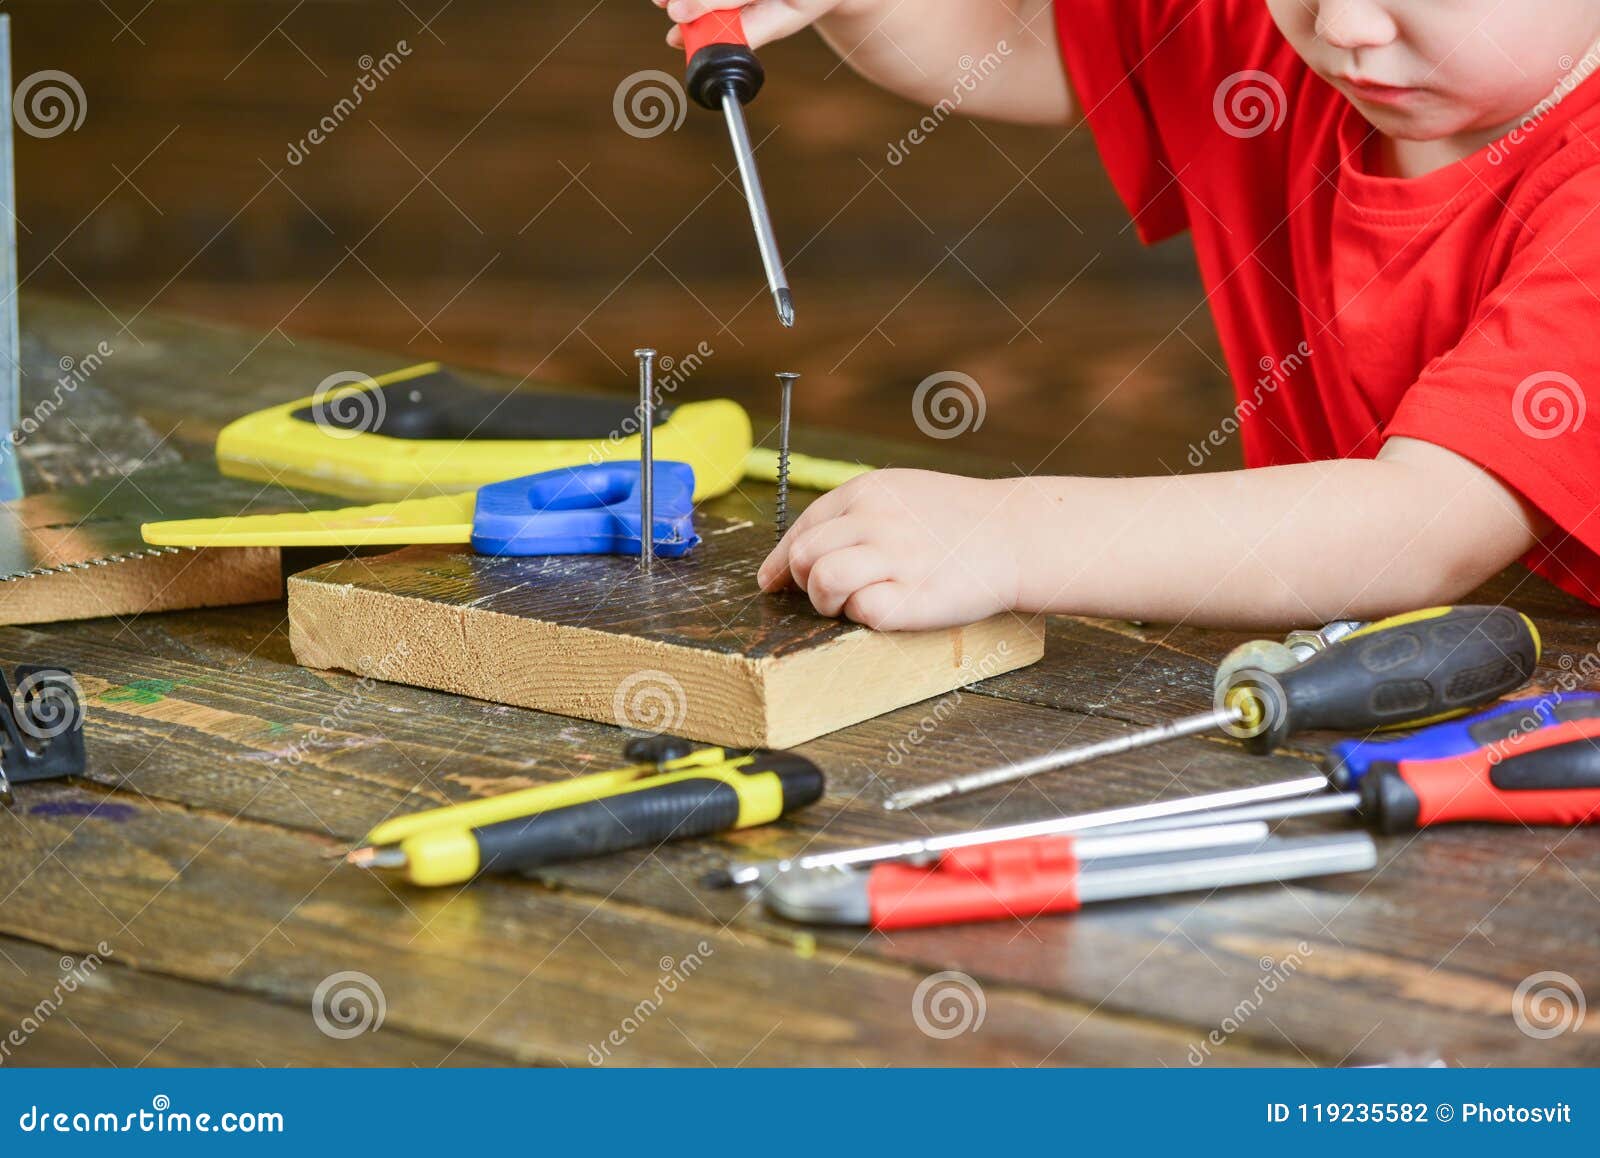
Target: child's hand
(905, 549)
(764, 20)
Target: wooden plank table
(186, 877)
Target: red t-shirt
(1461, 308)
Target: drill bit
(766, 240)
(787, 380)
(647, 506)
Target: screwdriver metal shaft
(1128, 819)
(786, 380)
(1022, 769)
(647, 464)
(766, 240)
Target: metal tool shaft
(1319, 804)
(647, 418)
(786, 379)
(1125, 819)
(1197, 835)
(766, 241)
(1050, 762)
(1275, 859)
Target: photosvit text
(1407, 1113)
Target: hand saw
(425, 431)
(588, 510)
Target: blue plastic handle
(1350, 760)
(585, 510)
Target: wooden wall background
(483, 205)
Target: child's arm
(1271, 547)
(917, 49)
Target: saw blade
(97, 525)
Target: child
(1399, 200)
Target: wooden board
(695, 650)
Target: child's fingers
(814, 543)
(882, 606)
(684, 11)
(838, 575)
(774, 571)
(764, 20)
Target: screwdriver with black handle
(724, 75)
(1407, 670)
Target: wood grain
(535, 975)
(695, 649)
(220, 771)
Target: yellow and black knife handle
(752, 789)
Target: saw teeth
(86, 564)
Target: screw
(647, 465)
(787, 379)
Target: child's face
(1442, 68)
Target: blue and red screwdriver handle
(1349, 760)
(1530, 761)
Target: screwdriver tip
(785, 302)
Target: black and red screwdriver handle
(720, 58)
(1547, 776)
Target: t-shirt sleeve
(1514, 394)
(1184, 98)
